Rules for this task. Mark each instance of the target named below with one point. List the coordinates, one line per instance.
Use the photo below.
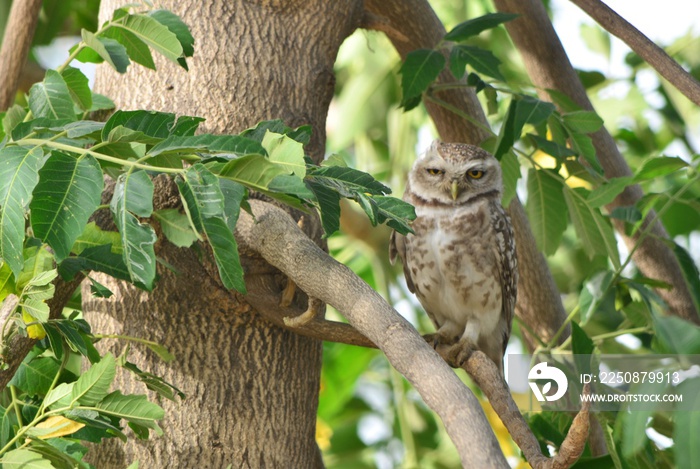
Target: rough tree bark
(252, 387)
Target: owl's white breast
(452, 269)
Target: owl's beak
(454, 190)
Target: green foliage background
(368, 416)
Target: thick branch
(539, 303)
(643, 46)
(549, 68)
(279, 240)
(15, 46)
(17, 347)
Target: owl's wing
(397, 247)
(508, 265)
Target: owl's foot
(437, 339)
(459, 353)
(315, 306)
(288, 293)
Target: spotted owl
(461, 261)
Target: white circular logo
(551, 373)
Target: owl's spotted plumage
(461, 260)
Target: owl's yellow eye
(434, 172)
(475, 173)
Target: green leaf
(176, 227)
(98, 258)
(121, 134)
(136, 49)
(37, 260)
(101, 102)
(151, 123)
(286, 152)
(546, 209)
(108, 49)
(659, 166)
(186, 126)
(58, 456)
(25, 459)
(7, 281)
(205, 202)
(234, 195)
(51, 98)
(522, 111)
(133, 197)
(418, 71)
(78, 87)
(583, 144)
(395, 213)
(60, 395)
(134, 409)
(235, 144)
(328, 206)
(634, 426)
(551, 148)
(510, 168)
(677, 335)
(627, 214)
(93, 236)
(153, 382)
(157, 36)
(35, 308)
(582, 348)
(481, 60)
(688, 267)
(594, 230)
(82, 128)
(35, 374)
(584, 122)
(254, 171)
(69, 191)
(94, 384)
(19, 174)
(597, 295)
(606, 193)
(687, 428)
(13, 116)
(348, 181)
(179, 28)
(98, 290)
(475, 26)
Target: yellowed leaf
(62, 426)
(35, 331)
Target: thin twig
(643, 47)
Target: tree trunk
(252, 388)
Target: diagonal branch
(275, 236)
(643, 46)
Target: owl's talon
(458, 354)
(315, 306)
(288, 293)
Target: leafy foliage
(567, 201)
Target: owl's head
(454, 173)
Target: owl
(460, 262)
